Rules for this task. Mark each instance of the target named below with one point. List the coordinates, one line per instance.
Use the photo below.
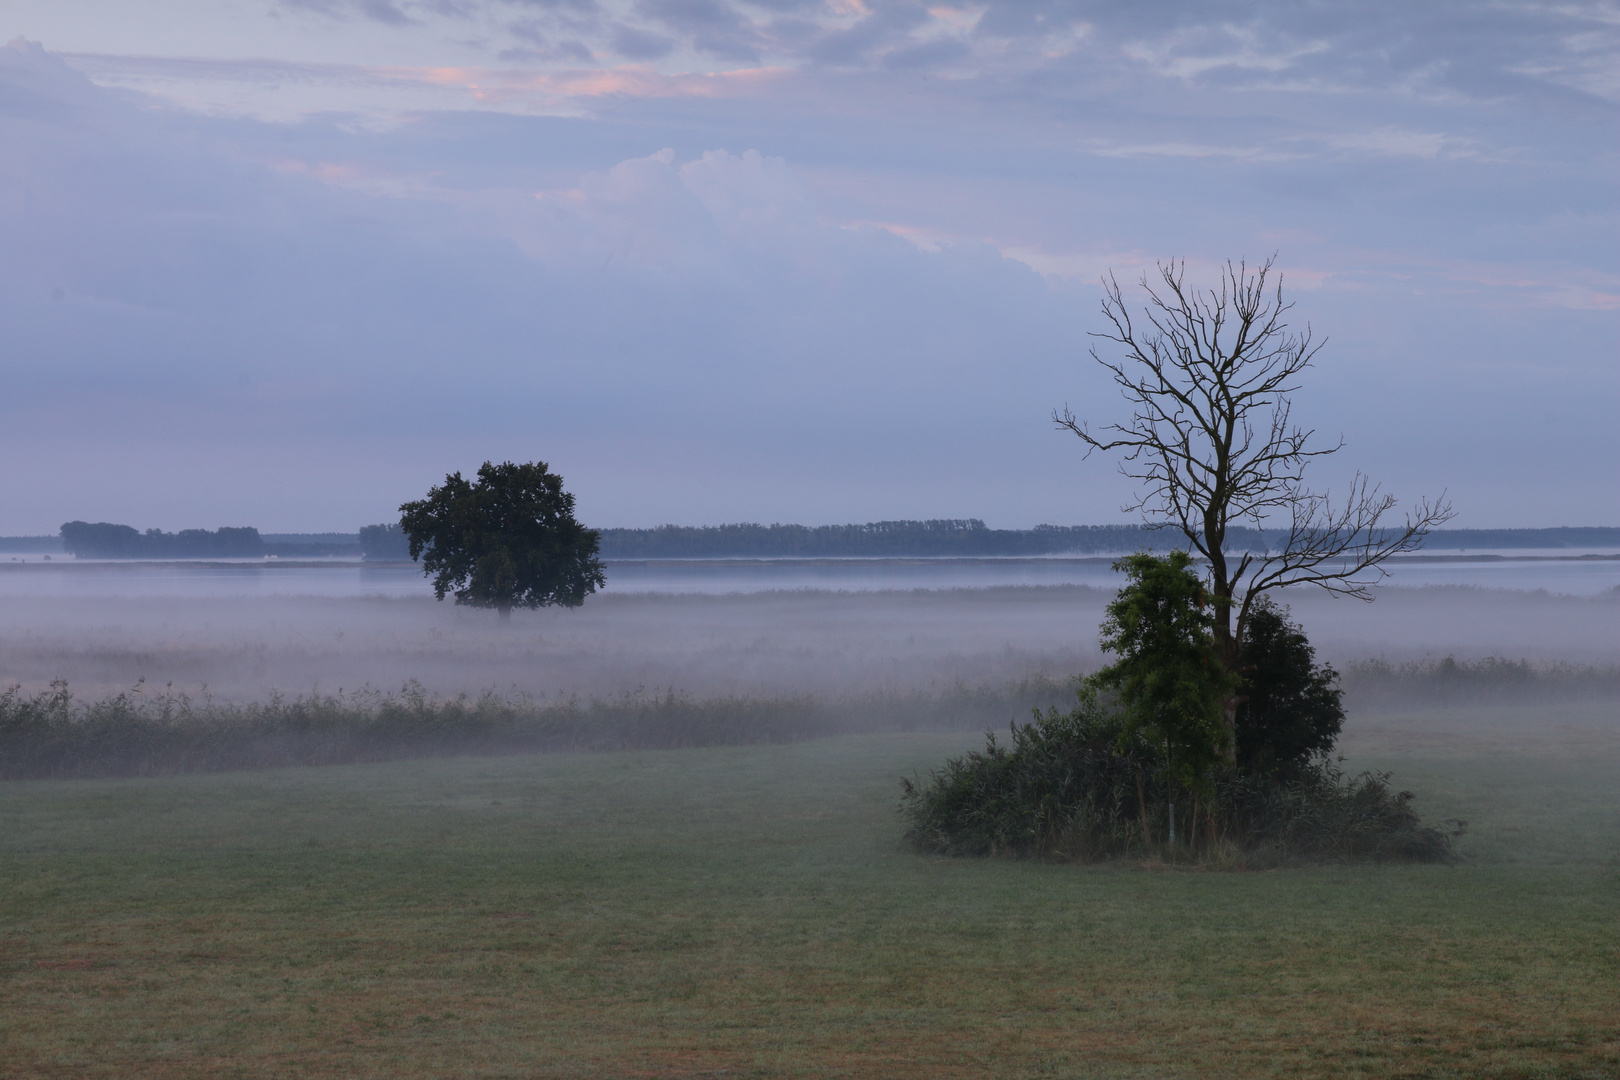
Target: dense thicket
(1146, 756)
(1083, 785)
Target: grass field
(750, 911)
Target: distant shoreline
(757, 561)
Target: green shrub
(1060, 785)
(1075, 785)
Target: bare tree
(1212, 443)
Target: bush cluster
(1078, 785)
(1138, 766)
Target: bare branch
(1211, 442)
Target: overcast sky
(286, 264)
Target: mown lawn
(751, 912)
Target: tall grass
(137, 732)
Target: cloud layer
(786, 260)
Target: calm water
(65, 577)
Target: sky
(286, 263)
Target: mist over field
(831, 644)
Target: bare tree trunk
(1226, 643)
(505, 608)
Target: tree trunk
(1141, 808)
(1226, 645)
(1170, 789)
(505, 608)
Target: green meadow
(752, 912)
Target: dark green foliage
(1290, 711)
(508, 540)
(1112, 777)
(1168, 677)
(1066, 784)
(1319, 814)
(383, 543)
(1076, 785)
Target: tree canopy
(1291, 708)
(507, 540)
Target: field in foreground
(749, 911)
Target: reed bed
(140, 732)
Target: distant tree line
(877, 539)
(30, 545)
(971, 537)
(1564, 537)
(104, 540)
(384, 543)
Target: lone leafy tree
(507, 540)
(1212, 443)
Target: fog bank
(820, 642)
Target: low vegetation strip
(1492, 680)
(53, 734)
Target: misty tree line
(959, 537)
(879, 539)
(105, 540)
